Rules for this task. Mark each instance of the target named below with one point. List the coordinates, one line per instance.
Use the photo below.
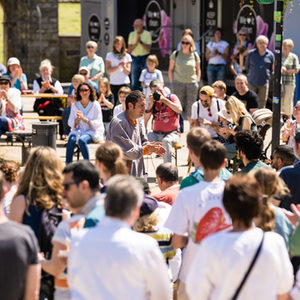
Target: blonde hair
(78, 77)
(191, 41)
(41, 182)
(111, 156)
(271, 186)
(236, 108)
(288, 42)
(147, 222)
(46, 63)
(152, 58)
(92, 43)
(105, 81)
(220, 85)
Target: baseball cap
(84, 68)
(223, 113)
(297, 135)
(4, 77)
(154, 83)
(208, 90)
(149, 205)
(13, 61)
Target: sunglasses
(84, 90)
(90, 47)
(296, 107)
(185, 43)
(4, 83)
(242, 34)
(83, 73)
(68, 184)
(209, 112)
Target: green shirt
(185, 66)
(254, 165)
(291, 62)
(139, 50)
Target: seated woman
(48, 85)
(10, 106)
(16, 75)
(242, 120)
(85, 121)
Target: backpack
(50, 218)
(181, 121)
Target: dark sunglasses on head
(185, 43)
(67, 184)
(84, 90)
(4, 83)
(90, 47)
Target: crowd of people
(229, 230)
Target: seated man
(249, 146)
(167, 179)
(248, 97)
(283, 158)
(205, 111)
(165, 109)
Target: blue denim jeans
(65, 117)
(82, 143)
(215, 72)
(3, 125)
(137, 65)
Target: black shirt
(250, 99)
(18, 250)
(107, 113)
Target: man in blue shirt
(259, 65)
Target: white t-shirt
(118, 77)
(221, 46)
(198, 111)
(197, 212)
(227, 258)
(146, 77)
(118, 109)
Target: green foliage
(69, 18)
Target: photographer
(165, 110)
(10, 106)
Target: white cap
(84, 68)
(223, 113)
(13, 61)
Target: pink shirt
(165, 119)
(169, 195)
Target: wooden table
(44, 95)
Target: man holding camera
(165, 109)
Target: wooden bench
(42, 118)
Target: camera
(156, 96)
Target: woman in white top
(85, 121)
(228, 255)
(118, 65)
(217, 54)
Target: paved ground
(151, 162)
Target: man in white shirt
(111, 261)
(198, 210)
(205, 111)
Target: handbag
(249, 269)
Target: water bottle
(78, 133)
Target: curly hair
(92, 95)
(147, 222)
(42, 179)
(11, 171)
